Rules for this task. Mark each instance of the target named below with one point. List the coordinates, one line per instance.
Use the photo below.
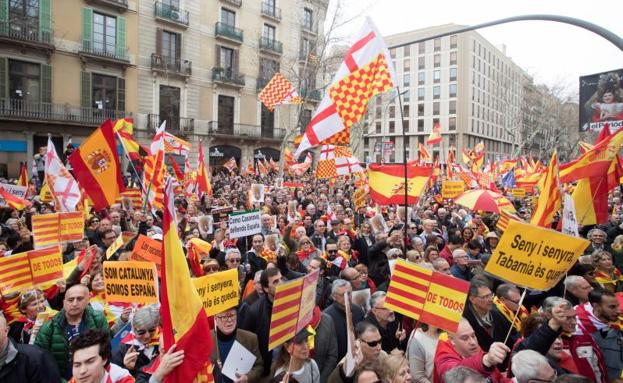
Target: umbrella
(485, 200)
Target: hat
(157, 236)
(491, 234)
(302, 336)
(146, 317)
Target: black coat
(339, 322)
(141, 361)
(256, 318)
(378, 266)
(499, 329)
(31, 364)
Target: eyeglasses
(142, 332)
(488, 296)
(332, 251)
(373, 343)
(234, 260)
(227, 318)
(305, 243)
(211, 268)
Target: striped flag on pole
(407, 289)
(15, 273)
(45, 228)
(446, 308)
(504, 219)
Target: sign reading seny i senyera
(131, 282)
(452, 189)
(245, 223)
(218, 291)
(533, 257)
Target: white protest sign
(242, 224)
(18, 191)
(569, 220)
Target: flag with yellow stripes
(407, 289)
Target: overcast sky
(553, 53)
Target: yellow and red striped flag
(445, 302)
(203, 179)
(504, 219)
(407, 288)
(134, 194)
(435, 135)
(13, 201)
(45, 229)
(184, 321)
(23, 175)
(550, 197)
(124, 128)
(15, 274)
(46, 266)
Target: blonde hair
(391, 364)
(412, 256)
(617, 244)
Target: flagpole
(404, 161)
(510, 330)
(127, 157)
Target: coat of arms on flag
(278, 91)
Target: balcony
(229, 33)
(25, 35)
(180, 126)
(246, 131)
(171, 15)
(237, 3)
(21, 110)
(271, 46)
(227, 77)
(309, 30)
(119, 5)
(171, 66)
(311, 95)
(118, 56)
(270, 11)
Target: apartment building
(67, 65)
(463, 82)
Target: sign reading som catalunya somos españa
(533, 257)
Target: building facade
(67, 65)
(463, 82)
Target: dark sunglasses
(373, 343)
(142, 332)
(332, 251)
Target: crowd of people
(571, 333)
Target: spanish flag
(23, 175)
(96, 167)
(595, 162)
(184, 322)
(14, 201)
(387, 183)
(550, 197)
(203, 180)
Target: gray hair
(527, 364)
(593, 231)
(376, 298)
(461, 374)
(231, 251)
(572, 280)
(438, 261)
(418, 241)
(458, 252)
(338, 283)
(550, 302)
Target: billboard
(601, 101)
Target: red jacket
(446, 358)
(585, 354)
(446, 254)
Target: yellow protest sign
(114, 246)
(519, 192)
(452, 189)
(533, 257)
(71, 226)
(130, 281)
(445, 301)
(46, 266)
(147, 250)
(218, 291)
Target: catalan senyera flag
(13, 201)
(292, 308)
(550, 197)
(423, 153)
(505, 217)
(96, 167)
(435, 135)
(175, 145)
(45, 230)
(279, 91)
(15, 275)
(366, 71)
(441, 315)
(203, 179)
(387, 183)
(154, 169)
(134, 194)
(594, 162)
(184, 322)
(407, 288)
(23, 175)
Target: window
(104, 92)
(392, 111)
(24, 81)
(269, 32)
(378, 113)
(437, 44)
(392, 52)
(420, 125)
(226, 112)
(436, 76)
(170, 105)
(436, 92)
(437, 61)
(420, 109)
(421, 78)
(228, 17)
(407, 65)
(24, 17)
(227, 58)
(452, 123)
(436, 108)
(452, 74)
(452, 90)
(406, 97)
(406, 51)
(421, 47)
(392, 127)
(452, 58)
(453, 41)
(407, 79)
(405, 111)
(421, 62)
(308, 18)
(420, 93)
(267, 121)
(170, 48)
(378, 128)
(452, 107)
(104, 33)
(268, 68)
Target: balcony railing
(227, 76)
(171, 65)
(24, 32)
(229, 32)
(237, 3)
(246, 130)
(121, 5)
(271, 45)
(171, 13)
(314, 95)
(179, 125)
(269, 10)
(119, 54)
(61, 113)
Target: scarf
(268, 255)
(605, 279)
(588, 323)
(302, 254)
(510, 315)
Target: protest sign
(18, 191)
(39, 321)
(569, 219)
(220, 214)
(452, 189)
(52, 229)
(147, 250)
(359, 198)
(445, 302)
(534, 257)
(518, 192)
(257, 193)
(37, 268)
(218, 291)
(407, 288)
(71, 226)
(114, 246)
(15, 274)
(245, 223)
(130, 281)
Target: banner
(114, 246)
(147, 250)
(131, 282)
(220, 214)
(15, 275)
(534, 257)
(600, 101)
(407, 288)
(71, 226)
(452, 189)
(243, 224)
(569, 219)
(52, 229)
(37, 268)
(518, 192)
(18, 191)
(218, 291)
(445, 302)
